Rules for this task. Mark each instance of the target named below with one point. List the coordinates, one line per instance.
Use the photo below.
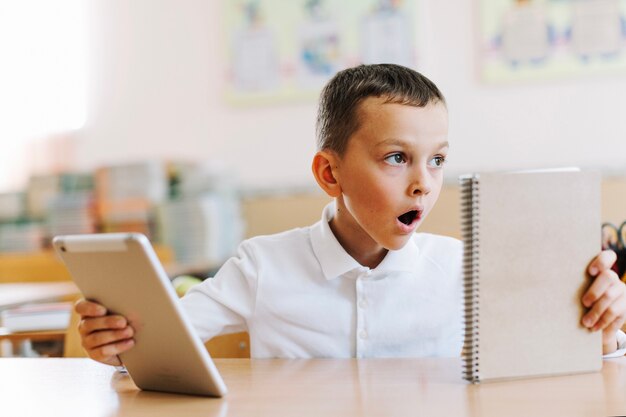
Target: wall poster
(538, 39)
(279, 50)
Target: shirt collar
(335, 261)
(333, 258)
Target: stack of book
(36, 317)
(127, 194)
(203, 230)
(12, 207)
(42, 189)
(21, 237)
(70, 214)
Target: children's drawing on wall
(527, 35)
(319, 45)
(388, 35)
(279, 50)
(255, 63)
(597, 29)
(534, 39)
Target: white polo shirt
(300, 295)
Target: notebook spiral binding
(469, 186)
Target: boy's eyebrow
(400, 142)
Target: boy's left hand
(606, 300)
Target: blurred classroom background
(194, 121)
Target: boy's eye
(437, 161)
(395, 159)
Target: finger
(90, 325)
(603, 261)
(609, 331)
(105, 337)
(108, 353)
(614, 313)
(594, 319)
(611, 314)
(598, 287)
(87, 308)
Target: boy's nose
(420, 186)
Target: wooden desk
(379, 387)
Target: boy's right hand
(103, 336)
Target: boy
(359, 283)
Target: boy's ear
(324, 169)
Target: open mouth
(409, 217)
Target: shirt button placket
(362, 304)
(359, 319)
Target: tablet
(122, 272)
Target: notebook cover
(529, 238)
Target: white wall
(157, 71)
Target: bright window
(42, 76)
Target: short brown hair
(337, 114)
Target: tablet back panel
(122, 272)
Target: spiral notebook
(528, 239)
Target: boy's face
(391, 172)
